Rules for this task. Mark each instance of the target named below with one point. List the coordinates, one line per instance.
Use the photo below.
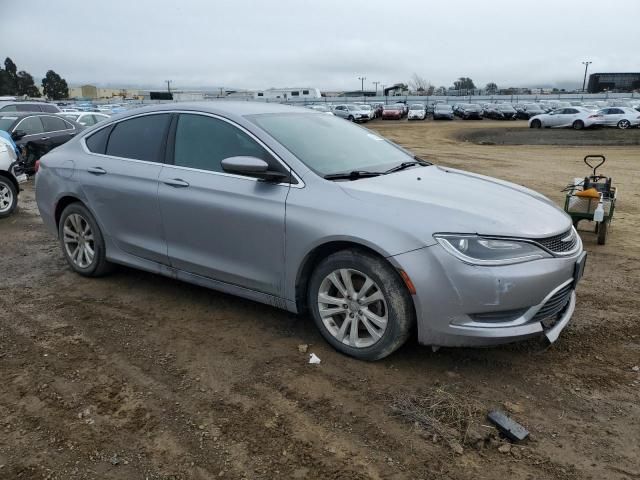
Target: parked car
(442, 111)
(621, 117)
(574, 117)
(527, 110)
(499, 111)
(404, 108)
(377, 107)
(37, 133)
(468, 111)
(11, 176)
(351, 112)
(417, 111)
(369, 109)
(392, 112)
(349, 250)
(86, 119)
(6, 107)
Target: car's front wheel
(82, 241)
(578, 125)
(8, 197)
(624, 124)
(360, 304)
(536, 123)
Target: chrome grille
(554, 305)
(565, 242)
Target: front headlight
(477, 250)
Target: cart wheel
(602, 232)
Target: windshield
(6, 122)
(328, 144)
(416, 107)
(391, 107)
(442, 107)
(71, 116)
(505, 108)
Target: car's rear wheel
(578, 125)
(624, 124)
(82, 242)
(536, 123)
(8, 197)
(360, 304)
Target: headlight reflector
(477, 250)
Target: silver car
(306, 212)
(352, 112)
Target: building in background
(613, 82)
(284, 94)
(91, 92)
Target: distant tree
(419, 84)
(491, 88)
(10, 77)
(54, 86)
(25, 85)
(464, 83)
(441, 91)
(430, 90)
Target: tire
(8, 197)
(624, 124)
(393, 304)
(578, 125)
(78, 232)
(536, 123)
(602, 232)
(350, 118)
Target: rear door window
(49, 108)
(54, 124)
(97, 142)
(140, 138)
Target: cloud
(327, 44)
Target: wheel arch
(63, 203)
(12, 179)
(315, 256)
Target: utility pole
(376, 84)
(168, 85)
(362, 79)
(584, 80)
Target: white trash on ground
(313, 358)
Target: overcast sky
(321, 43)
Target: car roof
(221, 107)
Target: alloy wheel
(78, 240)
(352, 308)
(6, 198)
(624, 124)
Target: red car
(391, 112)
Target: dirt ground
(135, 376)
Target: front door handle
(97, 170)
(45, 138)
(176, 182)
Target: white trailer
(284, 94)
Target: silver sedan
(306, 212)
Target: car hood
(436, 199)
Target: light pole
(584, 80)
(168, 85)
(376, 84)
(362, 79)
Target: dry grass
(441, 411)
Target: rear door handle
(176, 182)
(97, 170)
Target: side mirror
(18, 134)
(252, 167)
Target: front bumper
(468, 305)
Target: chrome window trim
(73, 128)
(300, 183)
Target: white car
(569, 117)
(351, 112)
(320, 108)
(369, 109)
(621, 117)
(11, 176)
(417, 111)
(86, 119)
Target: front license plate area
(579, 269)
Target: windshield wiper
(352, 175)
(403, 165)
